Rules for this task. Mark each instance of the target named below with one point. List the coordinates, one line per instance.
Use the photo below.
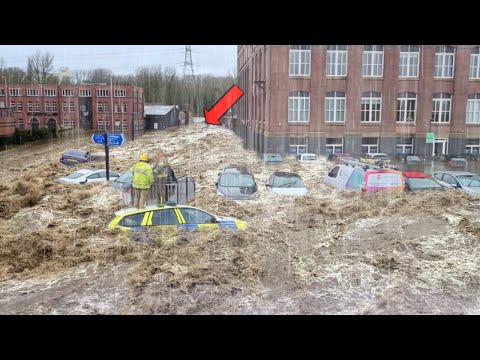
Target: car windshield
(413, 158)
(237, 180)
(380, 157)
(75, 175)
(273, 158)
(288, 181)
(309, 157)
(469, 180)
(126, 177)
(458, 160)
(423, 183)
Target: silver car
(90, 175)
(467, 181)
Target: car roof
(128, 211)
(242, 169)
(374, 154)
(286, 174)
(308, 154)
(88, 170)
(415, 174)
(454, 172)
(76, 151)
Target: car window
(309, 157)
(438, 176)
(75, 175)
(288, 181)
(195, 216)
(132, 220)
(93, 176)
(356, 180)
(164, 217)
(413, 158)
(103, 174)
(237, 180)
(334, 172)
(469, 180)
(449, 179)
(126, 177)
(423, 183)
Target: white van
(307, 157)
(365, 179)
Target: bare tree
(39, 67)
(99, 76)
(79, 76)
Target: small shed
(159, 117)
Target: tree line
(162, 85)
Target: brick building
(359, 98)
(97, 107)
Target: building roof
(158, 109)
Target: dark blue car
(75, 156)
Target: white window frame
(107, 125)
(72, 106)
(298, 146)
(117, 128)
(371, 98)
(12, 105)
(370, 148)
(54, 106)
(404, 146)
(37, 107)
(442, 65)
(85, 93)
(68, 92)
(337, 60)
(72, 123)
(335, 107)
(298, 107)
(106, 107)
(64, 107)
(409, 61)
(65, 123)
(334, 147)
(120, 93)
(124, 107)
(30, 106)
(473, 148)
(440, 102)
(405, 114)
(99, 107)
(100, 125)
(103, 93)
(300, 60)
(475, 64)
(20, 106)
(20, 124)
(15, 92)
(373, 61)
(2, 92)
(473, 109)
(124, 125)
(32, 92)
(47, 106)
(50, 92)
(117, 107)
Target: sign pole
(106, 155)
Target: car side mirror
(216, 183)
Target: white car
(307, 157)
(84, 176)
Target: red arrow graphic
(220, 108)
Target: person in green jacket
(142, 180)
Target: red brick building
(97, 107)
(359, 98)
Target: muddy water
(329, 252)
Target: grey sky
(125, 59)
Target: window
(473, 146)
(370, 145)
(404, 146)
(117, 127)
(85, 93)
(155, 126)
(47, 107)
(107, 125)
(132, 220)
(99, 107)
(334, 146)
(117, 107)
(2, 92)
(65, 122)
(120, 93)
(72, 106)
(106, 107)
(195, 216)
(297, 146)
(444, 61)
(64, 107)
(337, 60)
(12, 105)
(371, 107)
(30, 106)
(475, 63)
(406, 107)
(102, 93)
(441, 108)
(72, 123)
(67, 92)
(373, 60)
(37, 107)
(335, 106)
(409, 59)
(473, 109)
(100, 125)
(299, 60)
(124, 107)
(20, 124)
(15, 92)
(298, 106)
(50, 92)
(164, 217)
(124, 125)
(54, 107)
(32, 92)
(19, 106)
(334, 172)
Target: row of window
(53, 107)
(371, 107)
(373, 60)
(370, 145)
(65, 92)
(66, 122)
(105, 107)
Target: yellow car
(173, 217)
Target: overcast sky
(125, 59)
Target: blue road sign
(114, 139)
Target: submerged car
(236, 182)
(307, 157)
(76, 156)
(172, 216)
(89, 175)
(417, 181)
(375, 158)
(463, 180)
(339, 158)
(270, 158)
(286, 183)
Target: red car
(415, 181)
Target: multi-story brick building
(359, 98)
(96, 107)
